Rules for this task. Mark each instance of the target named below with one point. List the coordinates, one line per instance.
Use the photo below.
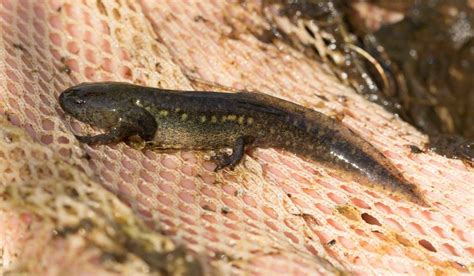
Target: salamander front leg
(224, 160)
(114, 136)
(136, 122)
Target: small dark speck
(207, 208)
(65, 69)
(158, 67)
(332, 242)
(113, 257)
(193, 69)
(324, 98)
(19, 47)
(199, 18)
(225, 210)
(84, 224)
(219, 255)
(59, 9)
(87, 156)
(310, 219)
(267, 36)
(414, 149)
(71, 192)
(289, 195)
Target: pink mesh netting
(275, 213)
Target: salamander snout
(71, 99)
(86, 96)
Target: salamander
(202, 120)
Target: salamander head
(99, 104)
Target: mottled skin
(168, 119)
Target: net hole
(427, 245)
(370, 219)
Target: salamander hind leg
(224, 160)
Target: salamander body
(199, 120)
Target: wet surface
(419, 68)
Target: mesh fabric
(275, 213)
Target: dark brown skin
(168, 119)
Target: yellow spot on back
(241, 120)
(231, 117)
(214, 119)
(224, 118)
(177, 109)
(164, 112)
(203, 119)
(184, 116)
(250, 120)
